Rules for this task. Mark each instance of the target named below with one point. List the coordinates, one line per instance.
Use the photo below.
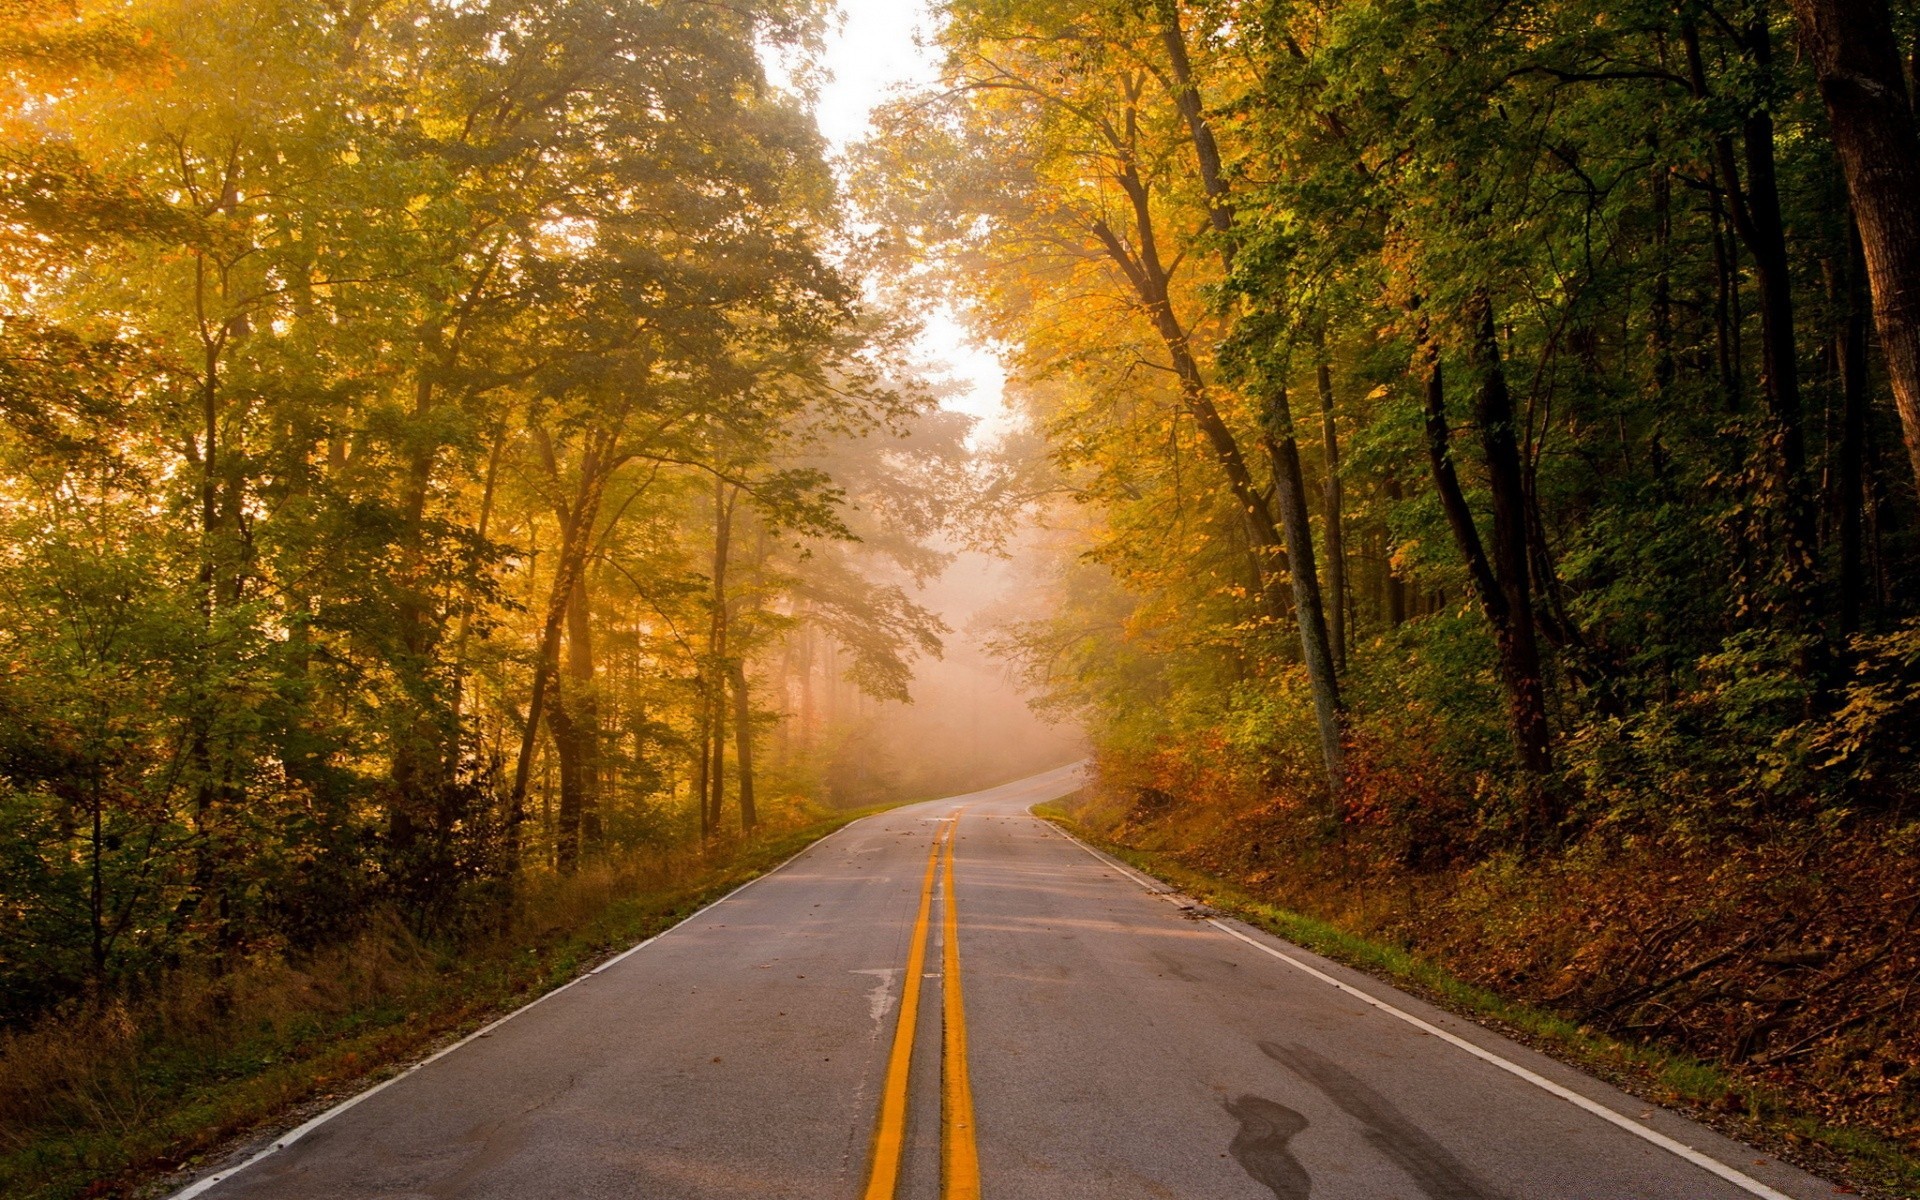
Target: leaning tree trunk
(1277, 419)
(576, 538)
(1856, 61)
(1315, 645)
(1493, 409)
(1513, 632)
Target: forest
(461, 462)
(444, 450)
(1479, 441)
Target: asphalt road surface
(1097, 1040)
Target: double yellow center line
(959, 1156)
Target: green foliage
(366, 376)
(1539, 198)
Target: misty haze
(910, 599)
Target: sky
(873, 52)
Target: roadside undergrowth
(1484, 952)
(100, 1100)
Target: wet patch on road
(1439, 1175)
(1174, 965)
(1262, 1147)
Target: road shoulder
(1665, 1093)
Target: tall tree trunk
(1851, 357)
(743, 742)
(1316, 648)
(1277, 418)
(1506, 480)
(1395, 586)
(575, 719)
(1336, 534)
(1512, 628)
(716, 798)
(1857, 63)
(1186, 96)
(564, 735)
(717, 652)
(219, 588)
(576, 538)
(583, 701)
(1755, 211)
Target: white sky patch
(874, 52)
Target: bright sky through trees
(875, 51)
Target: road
(1111, 1045)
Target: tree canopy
(1497, 381)
(429, 431)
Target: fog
(970, 724)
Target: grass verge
(113, 1101)
(1859, 1161)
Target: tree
(1852, 46)
(1088, 140)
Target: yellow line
(959, 1155)
(890, 1131)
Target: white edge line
(295, 1134)
(1705, 1162)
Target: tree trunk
(584, 702)
(1513, 630)
(576, 736)
(1186, 97)
(1336, 534)
(1755, 211)
(1453, 501)
(1851, 356)
(1149, 281)
(576, 538)
(1291, 490)
(743, 743)
(1520, 649)
(1396, 587)
(1277, 417)
(219, 589)
(1857, 63)
(717, 653)
(567, 757)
